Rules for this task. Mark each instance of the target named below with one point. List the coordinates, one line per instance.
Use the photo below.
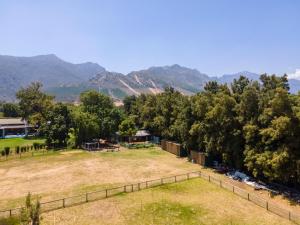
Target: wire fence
(106, 193)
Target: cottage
(14, 127)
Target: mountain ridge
(66, 80)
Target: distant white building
(14, 127)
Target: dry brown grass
(69, 173)
(191, 202)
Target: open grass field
(67, 173)
(190, 202)
(13, 142)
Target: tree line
(249, 125)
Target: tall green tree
(86, 127)
(57, 124)
(10, 110)
(34, 103)
(102, 108)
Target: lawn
(13, 142)
(190, 202)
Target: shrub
(17, 149)
(3, 153)
(7, 150)
(36, 145)
(23, 149)
(30, 214)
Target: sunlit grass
(13, 142)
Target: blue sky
(214, 36)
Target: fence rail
(106, 193)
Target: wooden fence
(106, 193)
(198, 157)
(173, 148)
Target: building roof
(14, 127)
(11, 121)
(139, 133)
(142, 133)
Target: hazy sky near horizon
(214, 36)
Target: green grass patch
(137, 146)
(168, 212)
(13, 142)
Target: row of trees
(249, 125)
(65, 124)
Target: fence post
(63, 201)
(161, 181)
(86, 197)
(10, 212)
(289, 215)
(132, 188)
(232, 188)
(146, 184)
(125, 188)
(209, 178)
(267, 205)
(105, 193)
(248, 197)
(175, 179)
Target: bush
(17, 149)
(137, 146)
(23, 149)
(7, 150)
(30, 214)
(3, 153)
(36, 145)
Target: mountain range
(67, 80)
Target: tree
(239, 85)
(30, 213)
(129, 104)
(128, 128)
(102, 107)
(10, 110)
(34, 103)
(86, 127)
(57, 124)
